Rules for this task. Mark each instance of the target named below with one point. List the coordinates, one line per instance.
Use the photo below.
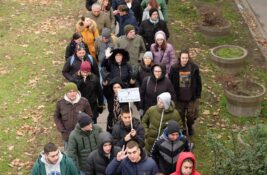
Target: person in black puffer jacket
(99, 159)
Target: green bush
(238, 159)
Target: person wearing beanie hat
(150, 26)
(99, 159)
(126, 17)
(152, 4)
(160, 35)
(67, 108)
(144, 68)
(156, 118)
(133, 43)
(106, 33)
(70, 87)
(83, 140)
(84, 120)
(128, 28)
(168, 147)
(161, 5)
(89, 86)
(163, 52)
(85, 67)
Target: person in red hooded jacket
(186, 164)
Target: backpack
(89, 58)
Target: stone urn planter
(244, 98)
(215, 31)
(212, 23)
(229, 58)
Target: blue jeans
(82, 173)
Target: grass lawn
(33, 37)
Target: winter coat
(97, 161)
(151, 121)
(135, 47)
(137, 10)
(67, 167)
(89, 36)
(69, 70)
(152, 87)
(129, 18)
(101, 21)
(143, 72)
(146, 14)
(123, 70)
(109, 94)
(145, 166)
(115, 4)
(66, 113)
(100, 47)
(165, 152)
(195, 86)
(147, 30)
(163, 7)
(92, 91)
(181, 158)
(120, 131)
(81, 144)
(166, 57)
(70, 49)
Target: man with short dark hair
(128, 128)
(132, 161)
(125, 17)
(53, 161)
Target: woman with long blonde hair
(88, 28)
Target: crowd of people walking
(122, 44)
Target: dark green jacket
(151, 122)
(67, 167)
(81, 144)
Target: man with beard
(53, 161)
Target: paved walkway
(255, 15)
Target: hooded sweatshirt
(181, 158)
(52, 168)
(64, 166)
(166, 99)
(97, 160)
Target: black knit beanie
(84, 119)
(153, 10)
(172, 127)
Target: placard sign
(129, 95)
